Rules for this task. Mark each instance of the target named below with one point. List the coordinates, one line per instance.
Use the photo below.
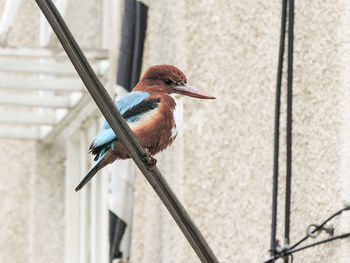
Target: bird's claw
(151, 162)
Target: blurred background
(220, 166)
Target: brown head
(169, 79)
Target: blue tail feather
(93, 170)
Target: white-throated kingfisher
(152, 112)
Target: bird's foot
(151, 162)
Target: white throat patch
(178, 115)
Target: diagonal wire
(319, 227)
(294, 248)
(119, 126)
(291, 251)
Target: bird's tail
(94, 169)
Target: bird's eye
(168, 81)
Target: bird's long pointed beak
(192, 92)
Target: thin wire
(290, 252)
(277, 126)
(293, 249)
(320, 226)
(289, 125)
(345, 235)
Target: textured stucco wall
(15, 174)
(47, 204)
(32, 204)
(221, 165)
(83, 18)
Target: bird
(152, 110)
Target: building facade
(220, 166)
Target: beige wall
(222, 165)
(32, 204)
(15, 174)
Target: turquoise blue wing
(124, 105)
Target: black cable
(293, 249)
(287, 251)
(289, 126)
(319, 227)
(277, 126)
(290, 251)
